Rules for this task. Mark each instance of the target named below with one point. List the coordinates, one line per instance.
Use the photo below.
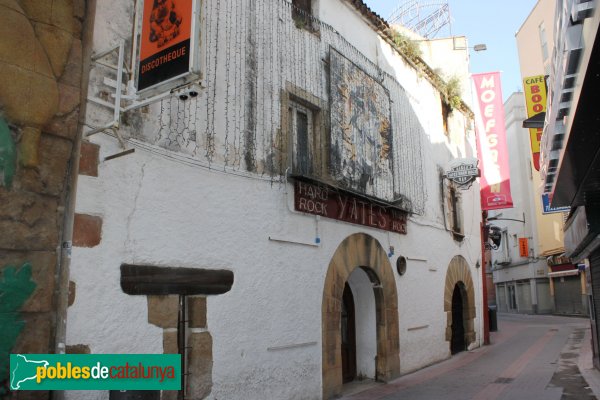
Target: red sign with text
(331, 203)
(491, 142)
(523, 247)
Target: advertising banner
(165, 41)
(491, 142)
(535, 99)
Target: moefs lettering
(487, 97)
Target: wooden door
(348, 336)
(457, 343)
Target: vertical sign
(523, 247)
(535, 98)
(165, 41)
(491, 142)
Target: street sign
(546, 209)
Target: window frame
(446, 111)
(543, 42)
(454, 214)
(318, 142)
(304, 16)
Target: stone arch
(360, 251)
(459, 273)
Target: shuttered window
(301, 124)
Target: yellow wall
(549, 226)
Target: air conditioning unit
(581, 9)
(502, 255)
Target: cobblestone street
(531, 357)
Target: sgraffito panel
(361, 130)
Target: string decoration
(253, 52)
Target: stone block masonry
(42, 49)
(88, 159)
(87, 230)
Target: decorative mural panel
(361, 130)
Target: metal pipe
(486, 322)
(181, 343)
(117, 112)
(64, 254)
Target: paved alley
(531, 357)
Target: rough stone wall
(41, 69)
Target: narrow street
(531, 357)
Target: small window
(301, 128)
(455, 213)
(445, 115)
(543, 42)
(302, 13)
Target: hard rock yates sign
(332, 203)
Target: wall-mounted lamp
(480, 47)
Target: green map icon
(23, 369)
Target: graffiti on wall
(16, 287)
(361, 130)
(8, 155)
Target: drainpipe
(485, 312)
(64, 253)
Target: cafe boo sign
(463, 171)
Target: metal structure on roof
(427, 18)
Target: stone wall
(41, 70)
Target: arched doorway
(459, 305)
(457, 343)
(374, 275)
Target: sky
(493, 23)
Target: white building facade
(520, 277)
(303, 185)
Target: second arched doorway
(458, 342)
(459, 305)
